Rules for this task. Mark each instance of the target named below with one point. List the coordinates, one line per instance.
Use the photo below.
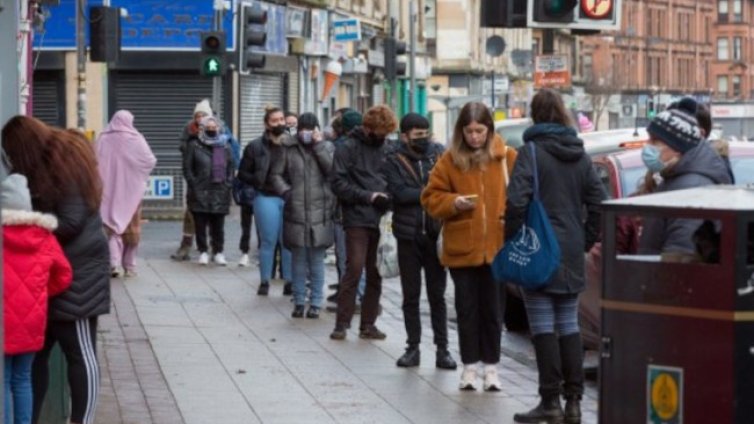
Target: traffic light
(213, 51)
(253, 38)
(588, 15)
(393, 67)
(503, 13)
(651, 112)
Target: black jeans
(247, 216)
(413, 255)
(478, 306)
(216, 224)
(361, 252)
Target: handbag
(439, 245)
(243, 194)
(533, 255)
(387, 249)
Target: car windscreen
(631, 179)
(513, 134)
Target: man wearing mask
(407, 172)
(677, 151)
(362, 191)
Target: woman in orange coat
(466, 190)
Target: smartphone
(471, 198)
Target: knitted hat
(351, 120)
(413, 121)
(203, 107)
(15, 193)
(677, 127)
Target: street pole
(218, 79)
(492, 89)
(412, 35)
(81, 64)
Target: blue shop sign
(150, 25)
(345, 30)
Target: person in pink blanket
(125, 162)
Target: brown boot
(184, 251)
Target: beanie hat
(15, 193)
(308, 121)
(351, 120)
(677, 127)
(203, 107)
(413, 121)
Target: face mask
(305, 136)
(292, 131)
(650, 155)
(279, 130)
(210, 133)
(420, 145)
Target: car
(621, 174)
(512, 131)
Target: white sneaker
(203, 258)
(244, 261)
(468, 378)
(220, 259)
(491, 380)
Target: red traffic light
(213, 42)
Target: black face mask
(210, 134)
(278, 130)
(420, 145)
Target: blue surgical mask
(650, 155)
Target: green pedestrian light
(212, 67)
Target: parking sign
(159, 187)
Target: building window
(722, 49)
(737, 11)
(722, 85)
(736, 85)
(722, 11)
(586, 67)
(737, 48)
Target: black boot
(549, 409)
(443, 360)
(572, 358)
(410, 358)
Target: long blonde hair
(464, 157)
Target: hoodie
(568, 185)
(698, 167)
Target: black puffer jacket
(409, 218)
(81, 234)
(698, 167)
(204, 195)
(568, 185)
(300, 174)
(356, 176)
(255, 162)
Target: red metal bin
(678, 338)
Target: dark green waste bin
(56, 408)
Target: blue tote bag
(533, 255)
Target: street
(188, 344)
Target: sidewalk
(190, 344)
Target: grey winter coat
(205, 196)
(568, 186)
(81, 234)
(300, 175)
(698, 167)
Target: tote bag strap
(536, 174)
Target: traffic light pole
(80, 65)
(412, 35)
(218, 79)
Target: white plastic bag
(387, 250)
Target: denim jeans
(308, 263)
(340, 260)
(269, 213)
(18, 398)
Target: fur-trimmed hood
(12, 217)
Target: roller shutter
(257, 92)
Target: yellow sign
(665, 403)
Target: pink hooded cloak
(125, 162)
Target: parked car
(621, 173)
(512, 131)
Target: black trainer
(298, 311)
(264, 289)
(288, 289)
(444, 361)
(313, 312)
(339, 333)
